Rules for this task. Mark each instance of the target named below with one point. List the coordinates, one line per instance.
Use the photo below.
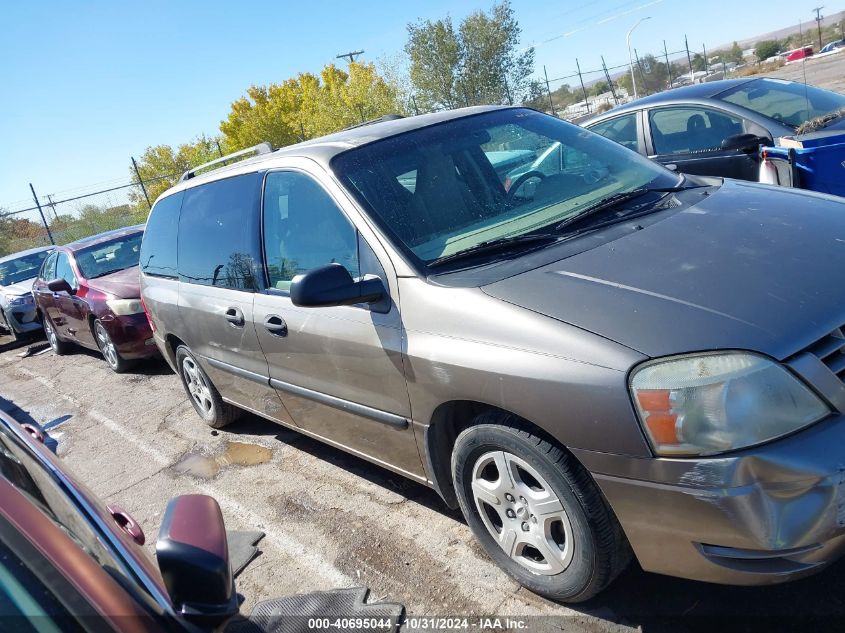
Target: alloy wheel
(197, 387)
(106, 345)
(51, 334)
(522, 513)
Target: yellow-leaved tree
(307, 106)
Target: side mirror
(60, 285)
(332, 285)
(193, 557)
(744, 142)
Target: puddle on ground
(207, 466)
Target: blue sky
(86, 85)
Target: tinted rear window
(158, 250)
(219, 233)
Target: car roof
(29, 251)
(103, 237)
(325, 148)
(706, 90)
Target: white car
(18, 313)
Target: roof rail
(381, 119)
(261, 148)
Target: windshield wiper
(613, 201)
(501, 244)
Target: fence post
(668, 65)
(706, 66)
(642, 74)
(414, 101)
(43, 219)
(609, 82)
(507, 89)
(583, 89)
(219, 150)
(689, 59)
(140, 181)
(549, 91)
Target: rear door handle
(235, 317)
(276, 325)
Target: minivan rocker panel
(520, 366)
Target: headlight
(124, 307)
(711, 403)
(21, 301)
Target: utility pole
(52, 206)
(350, 55)
(819, 24)
(630, 57)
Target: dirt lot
(334, 520)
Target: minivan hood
(124, 284)
(748, 267)
(18, 289)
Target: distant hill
(808, 26)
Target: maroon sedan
(87, 293)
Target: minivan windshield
(447, 188)
(787, 102)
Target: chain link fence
(70, 215)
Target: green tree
(734, 54)
(767, 48)
(600, 87)
(478, 63)
(698, 62)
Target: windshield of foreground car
(17, 270)
(109, 257)
(446, 188)
(787, 102)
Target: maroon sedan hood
(124, 284)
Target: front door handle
(235, 317)
(276, 325)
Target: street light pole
(630, 56)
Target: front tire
(113, 359)
(60, 347)
(536, 511)
(202, 393)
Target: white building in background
(593, 104)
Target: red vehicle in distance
(799, 53)
(88, 293)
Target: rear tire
(60, 347)
(113, 359)
(536, 511)
(202, 393)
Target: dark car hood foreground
(749, 267)
(124, 284)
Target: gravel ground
(333, 520)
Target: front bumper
(760, 516)
(21, 319)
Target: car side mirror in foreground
(193, 558)
(60, 285)
(744, 142)
(332, 285)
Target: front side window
(303, 229)
(460, 200)
(64, 271)
(685, 130)
(218, 242)
(109, 257)
(22, 268)
(787, 102)
(622, 129)
(48, 271)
